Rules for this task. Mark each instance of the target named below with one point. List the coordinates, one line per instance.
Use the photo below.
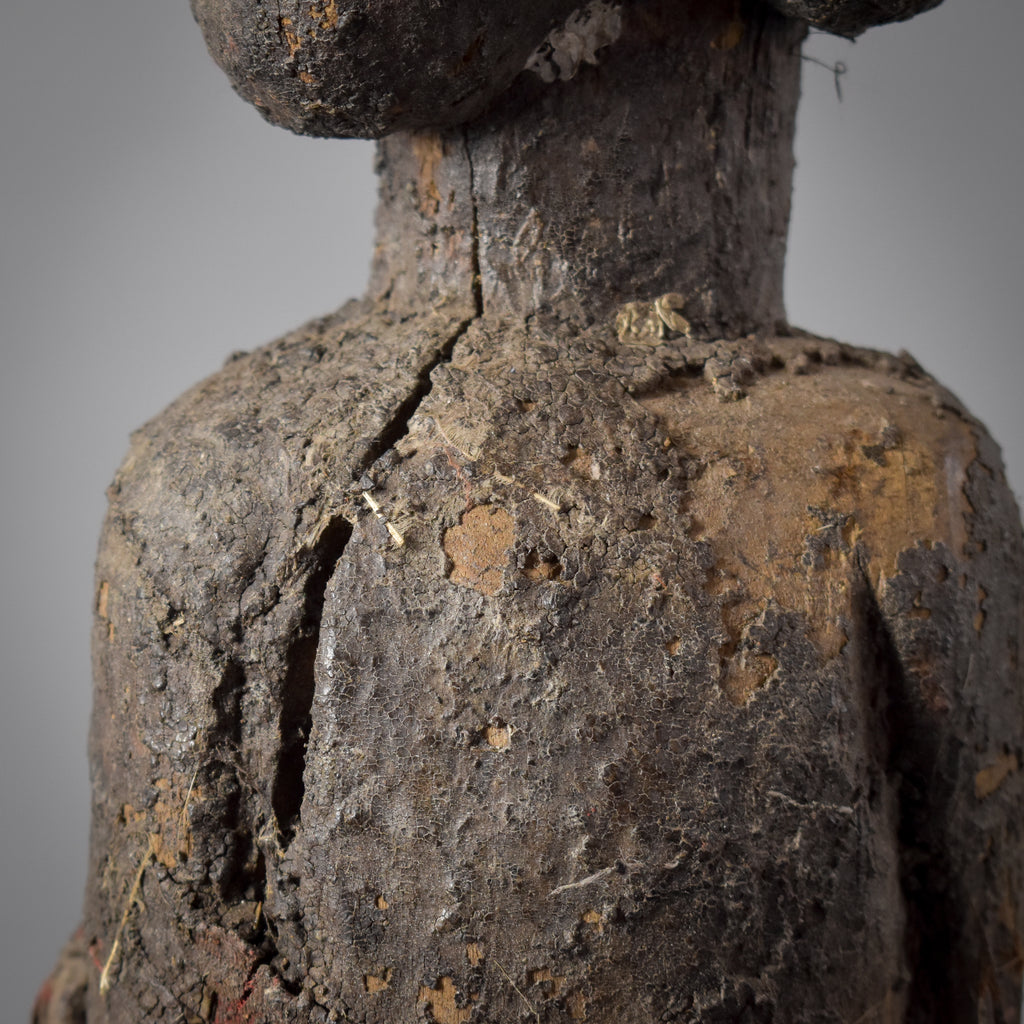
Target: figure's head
(365, 68)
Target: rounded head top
(365, 68)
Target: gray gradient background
(151, 223)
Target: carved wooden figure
(555, 634)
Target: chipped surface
(992, 776)
(791, 518)
(498, 735)
(428, 151)
(377, 982)
(443, 1001)
(479, 548)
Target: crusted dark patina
(555, 634)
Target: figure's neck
(667, 168)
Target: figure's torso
(607, 666)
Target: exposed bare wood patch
(479, 548)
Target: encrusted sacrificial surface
(362, 68)
(692, 693)
(504, 648)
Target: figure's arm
(952, 618)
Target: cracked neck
(666, 168)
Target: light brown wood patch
(428, 150)
(552, 983)
(989, 779)
(793, 517)
(479, 548)
(441, 1001)
(498, 735)
(375, 983)
(166, 821)
(576, 1004)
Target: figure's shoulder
(809, 451)
(815, 388)
(250, 463)
(332, 381)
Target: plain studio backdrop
(151, 224)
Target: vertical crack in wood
(477, 282)
(295, 720)
(232, 855)
(398, 425)
(288, 788)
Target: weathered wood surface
(555, 634)
(363, 68)
(655, 714)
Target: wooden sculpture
(555, 634)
